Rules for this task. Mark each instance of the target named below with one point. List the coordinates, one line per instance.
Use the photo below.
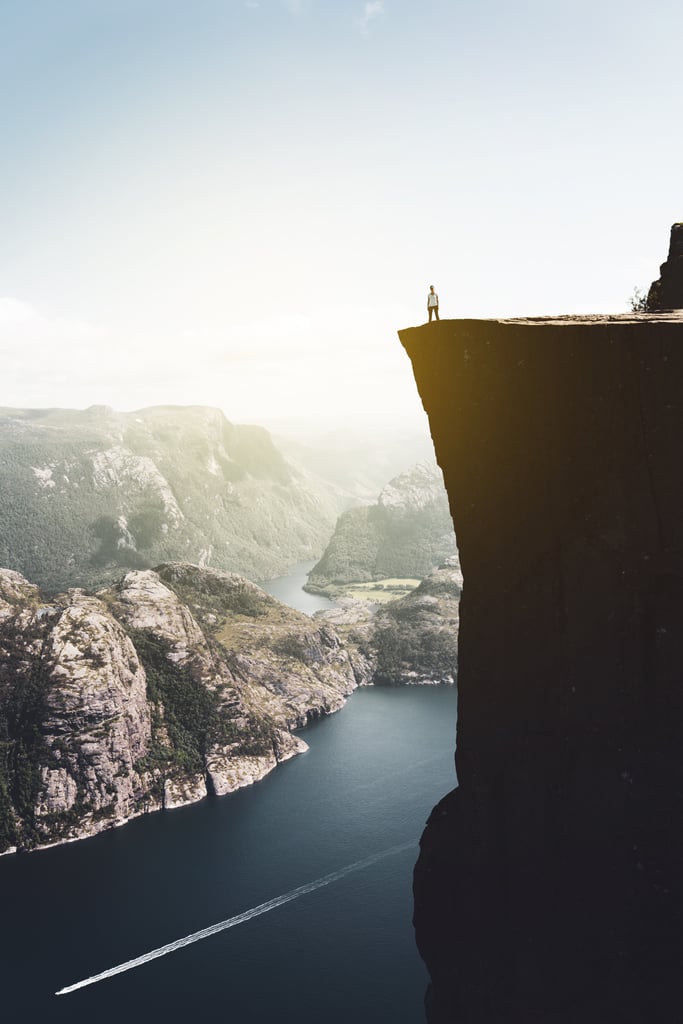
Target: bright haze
(238, 202)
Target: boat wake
(232, 922)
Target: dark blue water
(290, 590)
(343, 953)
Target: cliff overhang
(548, 887)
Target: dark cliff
(667, 291)
(548, 887)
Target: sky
(239, 202)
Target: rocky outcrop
(667, 291)
(415, 639)
(405, 535)
(74, 720)
(409, 641)
(16, 592)
(171, 684)
(85, 495)
(283, 663)
(548, 889)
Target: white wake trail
(231, 922)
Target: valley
(147, 688)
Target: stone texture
(228, 773)
(143, 602)
(179, 792)
(72, 685)
(413, 491)
(15, 592)
(548, 889)
(171, 684)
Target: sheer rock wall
(548, 887)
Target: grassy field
(379, 591)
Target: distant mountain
(357, 457)
(406, 534)
(168, 686)
(85, 493)
(415, 639)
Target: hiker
(432, 303)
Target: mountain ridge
(130, 700)
(406, 533)
(86, 493)
(179, 682)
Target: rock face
(548, 889)
(667, 291)
(74, 718)
(85, 495)
(409, 641)
(406, 534)
(415, 639)
(172, 684)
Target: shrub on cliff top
(639, 301)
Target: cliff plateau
(548, 888)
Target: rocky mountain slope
(85, 494)
(415, 639)
(412, 640)
(171, 684)
(406, 534)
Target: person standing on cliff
(432, 303)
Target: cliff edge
(548, 887)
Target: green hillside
(84, 494)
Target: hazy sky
(239, 202)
